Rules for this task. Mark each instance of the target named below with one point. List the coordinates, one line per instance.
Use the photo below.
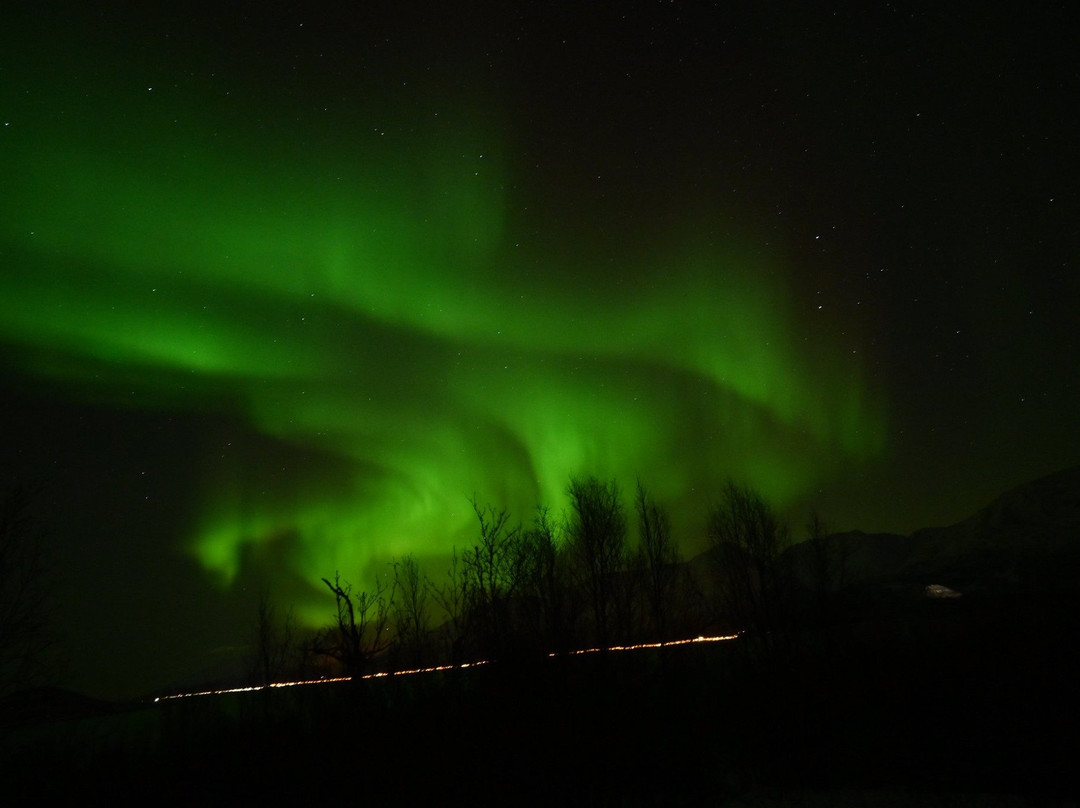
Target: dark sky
(286, 284)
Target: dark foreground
(966, 702)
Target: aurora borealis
(328, 275)
(387, 319)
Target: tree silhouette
(454, 598)
(748, 545)
(828, 558)
(597, 546)
(656, 560)
(541, 585)
(828, 572)
(410, 609)
(360, 630)
(274, 648)
(491, 569)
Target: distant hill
(1029, 533)
(1026, 537)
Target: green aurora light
(390, 303)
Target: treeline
(557, 584)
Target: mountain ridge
(1024, 535)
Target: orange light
(437, 668)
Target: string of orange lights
(436, 668)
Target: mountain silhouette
(1028, 536)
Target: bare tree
(748, 543)
(597, 545)
(410, 610)
(491, 573)
(541, 585)
(828, 556)
(656, 560)
(453, 597)
(274, 648)
(25, 638)
(360, 630)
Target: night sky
(285, 285)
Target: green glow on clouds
(370, 301)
